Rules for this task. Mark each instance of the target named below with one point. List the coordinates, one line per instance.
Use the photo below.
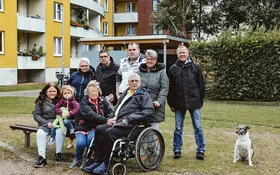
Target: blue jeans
(53, 132)
(82, 142)
(69, 124)
(179, 127)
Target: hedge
(241, 65)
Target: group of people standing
(113, 96)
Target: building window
(57, 12)
(131, 7)
(131, 29)
(116, 8)
(116, 30)
(155, 2)
(1, 5)
(157, 31)
(57, 47)
(1, 42)
(105, 28)
(106, 5)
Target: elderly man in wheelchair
(130, 136)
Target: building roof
(146, 42)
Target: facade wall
(51, 60)
(8, 59)
(8, 26)
(122, 8)
(144, 12)
(108, 18)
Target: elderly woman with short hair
(94, 110)
(154, 78)
(81, 78)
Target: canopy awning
(146, 42)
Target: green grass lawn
(22, 87)
(219, 120)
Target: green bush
(241, 65)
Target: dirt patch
(21, 167)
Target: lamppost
(60, 75)
(62, 52)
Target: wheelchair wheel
(150, 149)
(119, 169)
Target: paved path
(29, 93)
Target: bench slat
(24, 128)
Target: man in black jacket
(186, 92)
(134, 105)
(106, 73)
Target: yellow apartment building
(125, 17)
(40, 39)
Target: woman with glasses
(94, 110)
(81, 78)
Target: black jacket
(88, 117)
(186, 86)
(137, 108)
(106, 76)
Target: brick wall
(144, 12)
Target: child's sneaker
(51, 141)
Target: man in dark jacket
(106, 75)
(186, 92)
(134, 105)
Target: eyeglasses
(150, 59)
(132, 81)
(103, 56)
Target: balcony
(26, 62)
(89, 4)
(129, 17)
(84, 32)
(31, 24)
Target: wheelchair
(144, 143)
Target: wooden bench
(26, 130)
(29, 129)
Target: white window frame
(156, 31)
(57, 46)
(106, 5)
(155, 2)
(131, 7)
(57, 12)
(130, 29)
(1, 42)
(1, 5)
(105, 28)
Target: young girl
(72, 106)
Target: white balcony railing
(31, 24)
(81, 32)
(26, 62)
(130, 17)
(89, 4)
